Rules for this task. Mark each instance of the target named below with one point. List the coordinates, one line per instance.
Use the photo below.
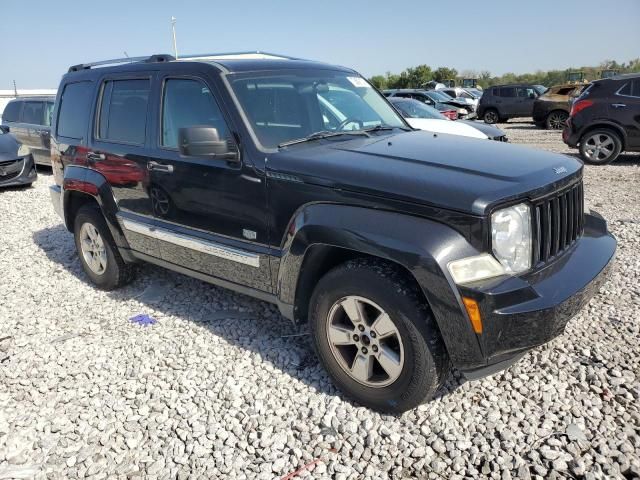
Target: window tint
(48, 113)
(33, 112)
(74, 110)
(635, 90)
(524, 92)
(123, 111)
(187, 103)
(631, 89)
(11, 112)
(507, 92)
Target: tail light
(579, 106)
(450, 114)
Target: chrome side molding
(192, 243)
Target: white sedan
(424, 117)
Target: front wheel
(600, 146)
(376, 336)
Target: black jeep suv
(605, 119)
(502, 102)
(297, 183)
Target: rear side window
(48, 113)
(123, 111)
(187, 103)
(74, 110)
(631, 89)
(11, 112)
(507, 92)
(33, 113)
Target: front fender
(423, 247)
(82, 180)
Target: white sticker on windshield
(358, 82)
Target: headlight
(511, 237)
(23, 150)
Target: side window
(33, 113)
(631, 89)
(48, 113)
(187, 103)
(626, 90)
(12, 112)
(635, 90)
(123, 111)
(495, 92)
(524, 92)
(73, 113)
(507, 92)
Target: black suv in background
(605, 119)
(502, 102)
(296, 182)
(29, 120)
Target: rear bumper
(521, 313)
(569, 134)
(21, 173)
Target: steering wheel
(347, 121)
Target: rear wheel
(376, 336)
(600, 146)
(98, 253)
(556, 120)
(491, 116)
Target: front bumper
(521, 313)
(18, 172)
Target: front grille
(558, 222)
(10, 169)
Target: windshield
(284, 106)
(416, 109)
(439, 96)
(541, 89)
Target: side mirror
(532, 95)
(4, 128)
(204, 141)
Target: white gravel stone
(216, 390)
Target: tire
(491, 116)
(108, 270)
(556, 120)
(415, 353)
(600, 146)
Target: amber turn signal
(473, 310)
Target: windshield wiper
(381, 128)
(320, 135)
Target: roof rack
(255, 54)
(163, 57)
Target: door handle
(618, 105)
(95, 157)
(159, 167)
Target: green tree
(444, 73)
(417, 76)
(379, 81)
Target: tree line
(415, 77)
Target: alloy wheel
(557, 120)
(93, 249)
(599, 147)
(365, 341)
(491, 117)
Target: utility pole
(173, 28)
(15, 89)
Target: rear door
(506, 101)
(119, 149)
(14, 119)
(37, 134)
(625, 107)
(211, 213)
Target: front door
(525, 98)
(211, 212)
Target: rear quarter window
(74, 110)
(11, 112)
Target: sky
(41, 39)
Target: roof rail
(163, 57)
(221, 55)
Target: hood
(8, 146)
(445, 126)
(452, 172)
(489, 130)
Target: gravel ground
(223, 387)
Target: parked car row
(436, 99)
